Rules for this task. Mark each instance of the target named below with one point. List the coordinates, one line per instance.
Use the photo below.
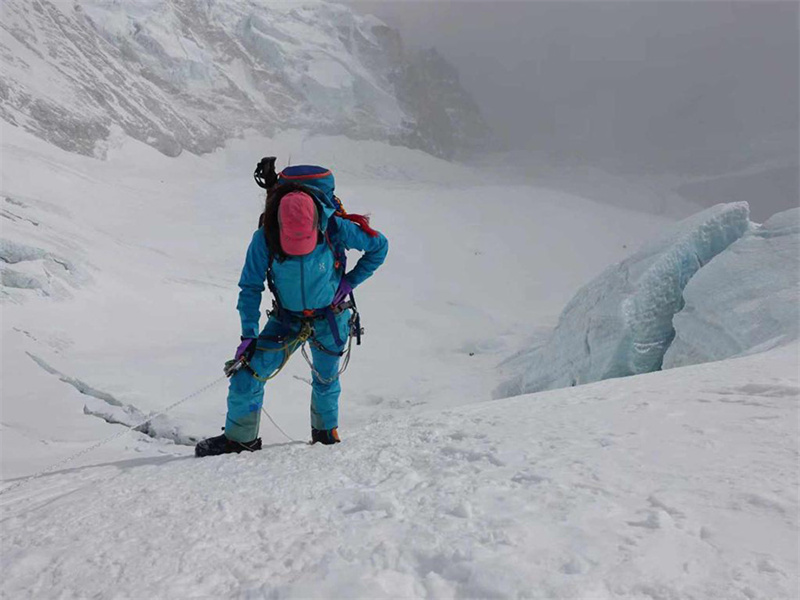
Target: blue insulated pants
(246, 393)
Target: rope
(345, 362)
(117, 435)
(305, 333)
(278, 427)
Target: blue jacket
(304, 282)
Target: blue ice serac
(621, 323)
(745, 300)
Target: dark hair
(269, 218)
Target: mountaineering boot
(222, 445)
(325, 436)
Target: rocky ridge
(188, 75)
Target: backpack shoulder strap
(270, 276)
(333, 239)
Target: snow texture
(680, 484)
(746, 299)
(620, 323)
(26, 268)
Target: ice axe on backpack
(265, 174)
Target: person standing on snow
(299, 251)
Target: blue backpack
(319, 183)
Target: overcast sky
(699, 87)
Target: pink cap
(297, 218)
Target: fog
(704, 92)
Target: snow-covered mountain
(187, 75)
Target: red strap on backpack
(361, 220)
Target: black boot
(222, 445)
(325, 436)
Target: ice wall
(747, 299)
(621, 322)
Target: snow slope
(162, 242)
(675, 484)
(678, 484)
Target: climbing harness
(233, 365)
(342, 369)
(306, 331)
(306, 336)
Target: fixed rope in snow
(119, 434)
(302, 339)
(278, 427)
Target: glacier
(745, 300)
(681, 483)
(620, 323)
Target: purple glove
(343, 292)
(246, 349)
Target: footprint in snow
(652, 521)
(765, 390)
(528, 478)
(471, 455)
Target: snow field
(671, 485)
